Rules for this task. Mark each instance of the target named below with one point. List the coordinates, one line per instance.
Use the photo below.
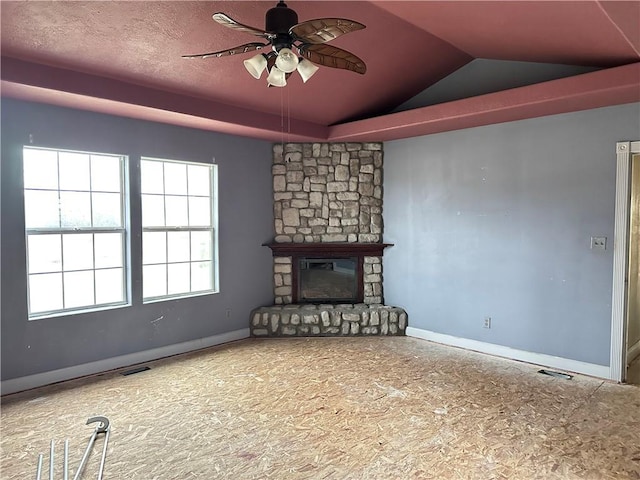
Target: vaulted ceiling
(124, 58)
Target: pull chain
(282, 122)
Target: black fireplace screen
(328, 280)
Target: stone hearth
(328, 320)
(328, 205)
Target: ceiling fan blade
(227, 21)
(323, 30)
(334, 57)
(247, 47)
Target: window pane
(108, 250)
(178, 275)
(107, 211)
(152, 179)
(45, 253)
(105, 173)
(154, 247)
(178, 246)
(75, 209)
(176, 208)
(201, 246)
(40, 168)
(199, 212)
(78, 289)
(154, 280)
(77, 251)
(109, 286)
(41, 209)
(201, 276)
(81, 193)
(45, 292)
(74, 171)
(199, 180)
(176, 195)
(175, 178)
(152, 211)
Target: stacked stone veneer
(322, 193)
(328, 192)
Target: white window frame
(213, 229)
(123, 230)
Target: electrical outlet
(228, 313)
(598, 243)
(487, 322)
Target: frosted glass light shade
(256, 65)
(276, 78)
(287, 61)
(306, 69)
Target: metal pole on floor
(65, 465)
(39, 470)
(51, 460)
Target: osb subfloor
(332, 408)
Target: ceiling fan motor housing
(280, 19)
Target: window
(178, 234)
(75, 230)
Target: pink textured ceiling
(141, 42)
(626, 17)
(568, 32)
(124, 58)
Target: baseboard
(633, 352)
(541, 359)
(46, 378)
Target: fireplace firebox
(327, 280)
(328, 272)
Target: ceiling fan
(283, 33)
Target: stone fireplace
(327, 249)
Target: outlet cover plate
(598, 243)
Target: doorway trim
(618, 358)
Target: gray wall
(482, 75)
(496, 221)
(245, 221)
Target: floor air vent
(135, 370)
(566, 376)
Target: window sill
(70, 313)
(179, 297)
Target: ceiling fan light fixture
(306, 69)
(277, 77)
(256, 65)
(283, 34)
(287, 61)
